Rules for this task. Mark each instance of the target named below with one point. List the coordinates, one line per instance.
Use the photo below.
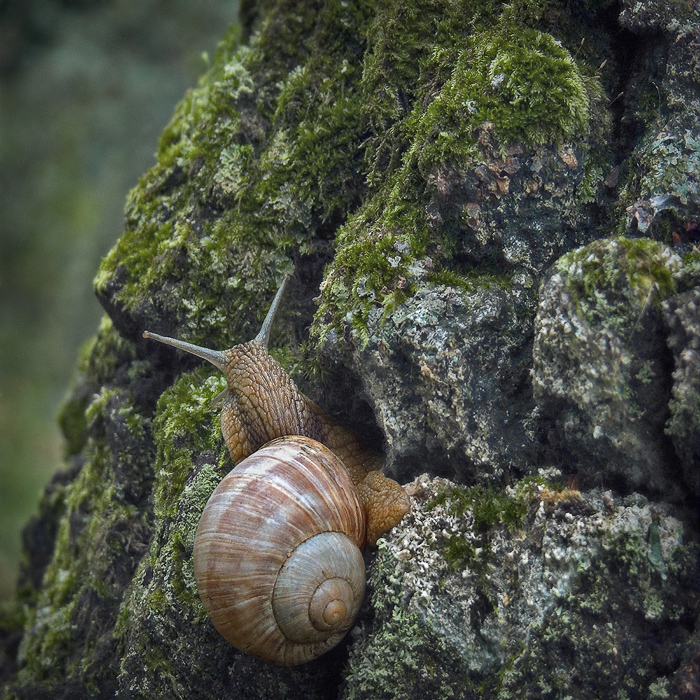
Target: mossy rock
(426, 165)
(550, 605)
(602, 369)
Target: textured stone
(682, 313)
(601, 370)
(448, 376)
(549, 602)
(443, 174)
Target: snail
(278, 550)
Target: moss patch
(326, 127)
(484, 508)
(522, 80)
(185, 425)
(613, 282)
(87, 571)
(163, 596)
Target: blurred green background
(86, 87)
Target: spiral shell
(277, 553)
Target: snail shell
(277, 553)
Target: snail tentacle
(263, 337)
(216, 357)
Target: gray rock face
(448, 375)
(682, 313)
(517, 210)
(524, 599)
(601, 371)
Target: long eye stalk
(216, 357)
(264, 336)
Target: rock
(463, 356)
(682, 314)
(664, 188)
(524, 592)
(454, 183)
(601, 370)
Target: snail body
(314, 496)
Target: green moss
(73, 423)
(646, 373)
(190, 462)
(659, 689)
(472, 280)
(372, 262)
(166, 236)
(185, 424)
(685, 415)
(332, 120)
(689, 275)
(82, 565)
(272, 173)
(312, 158)
(468, 64)
(489, 506)
(105, 353)
(521, 80)
(615, 281)
(12, 616)
(484, 508)
(92, 514)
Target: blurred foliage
(86, 87)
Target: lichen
(486, 508)
(614, 282)
(558, 608)
(574, 630)
(670, 165)
(600, 359)
(405, 653)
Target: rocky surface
(499, 207)
(682, 313)
(601, 365)
(523, 592)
